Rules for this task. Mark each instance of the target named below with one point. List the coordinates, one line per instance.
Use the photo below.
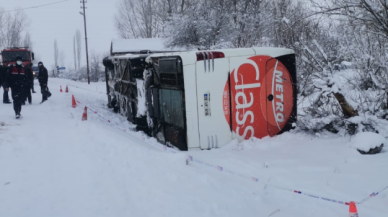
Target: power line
(38, 6)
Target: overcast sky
(60, 21)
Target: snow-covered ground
(54, 164)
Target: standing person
(43, 79)
(3, 76)
(16, 80)
(32, 80)
(29, 77)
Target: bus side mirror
(33, 57)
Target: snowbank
(367, 140)
(93, 168)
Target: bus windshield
(10, 56)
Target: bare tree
(2, 24)
(75, 54)
(11, 27)
(27, 41)
(62, 58)
(78, 47)
(96, 68)
(138, 19)
(56, 53)
(372, 14)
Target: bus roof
(122, 46)
(190, 57)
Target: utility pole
(86, 37)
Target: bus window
(171, 107)
(170, 71)
(137, 66)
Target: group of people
(19, 79)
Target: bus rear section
(240, 93)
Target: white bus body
(205, 99)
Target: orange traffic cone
(60, 89)
(67, 89)
(353, 209)
(73, 103)
(85, 114)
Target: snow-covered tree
(209, 30)
(370, 14)
(138, 19)
(96, 67)
(358, 38)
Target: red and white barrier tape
(255, 179)
(102, 117)
(374, 194)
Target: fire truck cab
(9, 55)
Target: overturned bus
(204, 99)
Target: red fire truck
(8, 55)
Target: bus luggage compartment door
(212, 76)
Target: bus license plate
(206, 98)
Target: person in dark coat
(29, 78)
(3, 75)
(16, 80)
(32, 80)
(43, 79)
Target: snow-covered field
(54, 164)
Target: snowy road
(54, 164)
